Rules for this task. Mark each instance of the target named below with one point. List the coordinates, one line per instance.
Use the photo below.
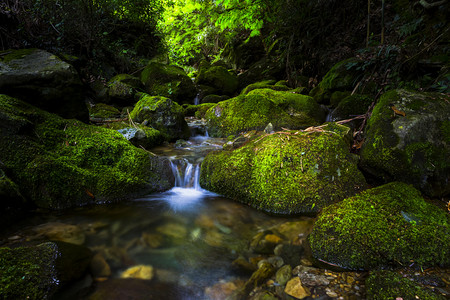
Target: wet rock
(162, 114)
(265, 271)
(221, 291)
(43, 80)
(168, 81)
(285, 173)
(265, 242)
(284, 274)
(408, 139)
(139, 272)
(61, 232)
(241, 264)
(291, 254)
(135, 289)
(214, 238)
(260, 107)
(99, 267)
(295, 289)
(142, 136)
(369, 230)
(175, 232)
(152, 240)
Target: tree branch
(427, 5)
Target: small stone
(214, 238)
(221, 291)
(331, 293)
(272, 238)
(152, 240)
(99, 267)
(295, 289)
(306, 262)
(284, 274)
(139, 272)
(61, 232)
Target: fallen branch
(100, 120)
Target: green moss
(63, 163)
(9, 55)
(409, 148)
(389, 285)
(104, 111)
(285, 173)
(445, 130)
(260, 107)
(219, 78)
(162, 114)
(267, 84)
(26, 274)
(371, 230)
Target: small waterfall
(186, 174)
(197, 99)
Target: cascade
(186, 174)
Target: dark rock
(408, 139)
(43, 80)
(122, 89)
(217, 77)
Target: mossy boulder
(340, 78)
(59, 163)
(285, 173)
(266, 84)
(408, 139)
(168, 81)
(122, 89)
(163, 114)
(10, 195)
(214, 98)
(44, 80)
(259, 108)
(198, 111)
(350, 106)
(391, 285)
(103, 111)
(37, 272)
(217, 77)
(390, 225)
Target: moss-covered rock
(350, 106)
(217, 77)
(168, 81)
(10, 196)
(339, 78)
(285, 173)
(411, 145)
(261, 107)
(43, 80)
(267, 84)
(214, 98)
(36, 272)
(122, 88)
(390, 285)
(61, 163)
(103, 111)
(388, 225)
(162, 114)
(198, 111)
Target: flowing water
(187, 235)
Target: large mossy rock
(285, 173)
(37, 272)
(388, 225)
(340, 78)
(163, 114)
(218, 78)
(168, 81)
(385, 284)
(350, 107)
(259, 108)
(43, 80)
(122, 89)
(412, 145)
(59, 163)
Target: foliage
(110, 30)
(194, 27)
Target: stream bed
(186, 243)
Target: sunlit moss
(388, 225)
(285, 173)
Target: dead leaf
(397, 112)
